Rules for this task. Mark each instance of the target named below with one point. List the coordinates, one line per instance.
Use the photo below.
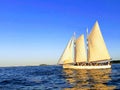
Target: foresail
(96, 46)
(68, 54)
(80, 50)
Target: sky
(34, 32)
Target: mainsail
(80, 50)
(97, 50)
(68, 54)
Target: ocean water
(55, 78)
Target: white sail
(97, 50)
(68, 54)
(80, 50)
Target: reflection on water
(88, 79)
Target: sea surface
(56, 78)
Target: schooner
(96, 56)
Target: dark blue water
(55, 78)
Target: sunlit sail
(68, 53)
(80, 50)
(96, 46)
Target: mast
(74, 51)
(87, 44)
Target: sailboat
(96, 56)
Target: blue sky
(36, 31)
